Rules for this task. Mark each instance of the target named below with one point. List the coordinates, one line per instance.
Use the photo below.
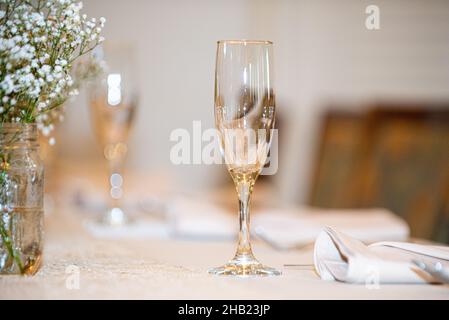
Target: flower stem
(5, 235)
(6, 239)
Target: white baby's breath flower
(45, 131)
(38, 46)
(74, 92)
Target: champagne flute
(113, 101)
(244, 117)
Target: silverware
(436, 270)
(305, 266)
(261, 234)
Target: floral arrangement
(40, 41)
(41, 45)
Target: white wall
(323, 53)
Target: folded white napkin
(141, 229)
(284, 227)
(193, 219)
(340, 257)
(300, 226)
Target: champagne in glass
(244, 117)
(113, 102)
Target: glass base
(247, 268)
(114, 217)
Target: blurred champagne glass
(244, 117)
(113, 101)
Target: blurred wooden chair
(334, 179)
(392, 157)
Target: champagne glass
(244, 117)
(113, 101)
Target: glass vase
(21, 199)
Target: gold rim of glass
(244, 42)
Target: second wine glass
(113, 101)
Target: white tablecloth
(174, 269)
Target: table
(174, 269)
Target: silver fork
(436, 270)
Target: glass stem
(115, 189)
(244, 251)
